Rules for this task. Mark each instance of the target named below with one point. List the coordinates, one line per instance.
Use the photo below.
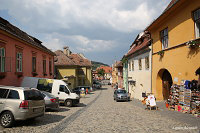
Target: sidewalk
(175, 115)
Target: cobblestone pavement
(100, 113)
(108, 116)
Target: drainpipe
(151, 63)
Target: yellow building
(115, 73)
(174, 56)
(75, 69)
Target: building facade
(73, 68)
(175, 48)
(139, 66)
(22, 55)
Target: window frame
(164, 38)
(50, 66)
(44, 65)
(129, 65)
(2, 59)
(132, 65)
(140, 63)
(34, 66)
(147, 65)
(196, 20)
(19, 61)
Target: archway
(166, 84)
(163, 84)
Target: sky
(102, 30)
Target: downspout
(151, 62)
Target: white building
(139, 66)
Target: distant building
(119, 67)
(22, 55)
(115, 72)
(107, 70)
(73, 68)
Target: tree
(101, 72)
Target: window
(45, 85)
(129, 65)
(19, 62)
(3, 93)
(197, 22)
(164, 38)
(13, 94)
(63, 88)
(50, 66)
(34, 64)
(147, 62)
(33, 95)
(2, 59)
(44, 66)
(140, 64)
(133, 65)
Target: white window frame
(132, 65)
(147, 65)
(197, 22)
(129, 65)
(19, 62)
(140, 61)
(2, 59)
(164, 38)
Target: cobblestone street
(98, 112)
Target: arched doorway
(166, 84)
(163, 84)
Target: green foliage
(97, 64)
(101, 72)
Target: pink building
(22, 55)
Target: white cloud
(64, 13)
(78, 43)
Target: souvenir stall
(185, 97)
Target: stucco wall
(181, 62)
(142, 77)
(11, 78)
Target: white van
(54, 86)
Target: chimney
(66, 51)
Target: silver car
(121, 95)
(18, 103)
(51, 102)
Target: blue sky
(100, 29)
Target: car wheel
(7, 119)
(68, 103)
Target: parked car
(18, 103)
(97, 84)
(56, 87)
(86, 88)
(121, 95)
(51, 102)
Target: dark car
(51, 102)
(121, 95)
(97, 84)
(87, 89)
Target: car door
(63, 92)
(3, 95)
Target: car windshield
(121, 91)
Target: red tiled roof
(62, 59)
(13, 30)
(79, 60)
(107, 69)
(119, 64)
(138, 47)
